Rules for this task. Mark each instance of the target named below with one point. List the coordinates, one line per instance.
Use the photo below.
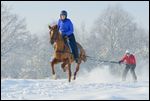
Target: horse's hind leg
(63, 66)
(77, 69)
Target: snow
(86, 87)
(61, 89)
(25, 57)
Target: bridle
(55, 37)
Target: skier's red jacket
(129, 59)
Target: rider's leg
(73, 46)
(65, 40)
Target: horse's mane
(55, 26)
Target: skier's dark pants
(131, 67)
(73, 45)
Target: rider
(65, 27)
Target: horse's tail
(82, 53)
(84, 56)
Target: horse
(62, 53)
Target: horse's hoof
(73, 77)
(64, 70)
(54, 77)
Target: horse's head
(53, 33)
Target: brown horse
(63, 54)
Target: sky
(39, 14)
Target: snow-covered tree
(13, 30)
(114, 32)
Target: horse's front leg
(77, 69)
(53, 62)
(69, 72)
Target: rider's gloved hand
(119, 62)
(62, 33)
(64, 36)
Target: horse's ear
(49, 27)
(56, 26)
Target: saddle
(66, 41)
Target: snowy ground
(85, 87)
(61, 89)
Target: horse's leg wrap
(54, 76)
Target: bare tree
(12, 30)
(114, 32)
(111, 25)
(14, 42)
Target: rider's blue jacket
(65, 27)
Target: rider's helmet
(63, 12)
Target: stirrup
(77, 60)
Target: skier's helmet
(127, 52)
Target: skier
(65, 27)
(130, 61)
